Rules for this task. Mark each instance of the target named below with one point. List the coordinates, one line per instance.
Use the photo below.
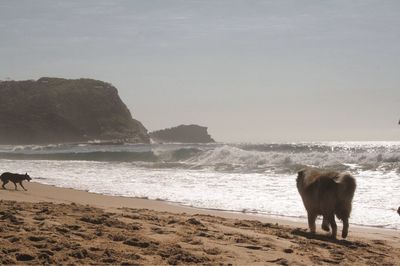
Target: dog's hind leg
(4, 183)
(345, 230)
(331, 219)
(15, 184)
(22, 185)
(311, 222)
(325, 224)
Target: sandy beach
(47, 224)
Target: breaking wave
(278, 158)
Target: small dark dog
(398, 210)
(15, 178)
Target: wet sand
(55, 225)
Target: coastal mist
(252, 178)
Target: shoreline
(52, 193)
(37, 192)
(52, 225)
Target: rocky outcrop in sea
(182, 134)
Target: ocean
(250, 178)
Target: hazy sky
(249, 70)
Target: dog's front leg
(15, 184)
(22, 185)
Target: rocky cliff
(183, 134)
(55, 110)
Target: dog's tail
(3, 177)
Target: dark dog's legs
(15, 184)
(311, 222)
(331, 219)
(22, 185)
(4, 182)
(345, 230)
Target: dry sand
(54, 225)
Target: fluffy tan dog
(326, 193)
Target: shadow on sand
(328, 238)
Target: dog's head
(27, 177)
(300, 178)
